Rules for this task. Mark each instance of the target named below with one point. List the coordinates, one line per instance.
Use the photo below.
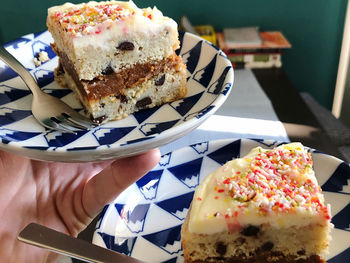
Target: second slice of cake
(264, 207)
(116, 57)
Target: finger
(104, 187)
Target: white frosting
(216, 208)
(90, 35)
(148, 22)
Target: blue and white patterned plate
(145, 220)
(209, 81)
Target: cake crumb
(41, 58)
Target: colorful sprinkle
(276, 181)
(82, 20)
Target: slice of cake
(264, 207)
(116, 57)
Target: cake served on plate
(116, 57)
(264, 207)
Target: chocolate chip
(144, 102)
(126, 45)
(122, 98)
(267, 246)
(250, 231)
(301, 252)
(108, 70)
(99, 120)
(220, 248)
(160, 81)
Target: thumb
(104, 187)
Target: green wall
(314, 28)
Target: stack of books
(249, 48)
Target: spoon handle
(40, 236)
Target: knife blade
(44, 237)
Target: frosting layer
(276, 187)
(115, 34)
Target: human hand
(62, 196)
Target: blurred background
(314, 28)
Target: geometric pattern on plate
(209, 75)
(157, 242)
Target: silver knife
(41, 236)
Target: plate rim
(117, 150)
(216, 143)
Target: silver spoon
(41, 236)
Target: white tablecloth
(247, 113)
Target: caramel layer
(113, 83)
